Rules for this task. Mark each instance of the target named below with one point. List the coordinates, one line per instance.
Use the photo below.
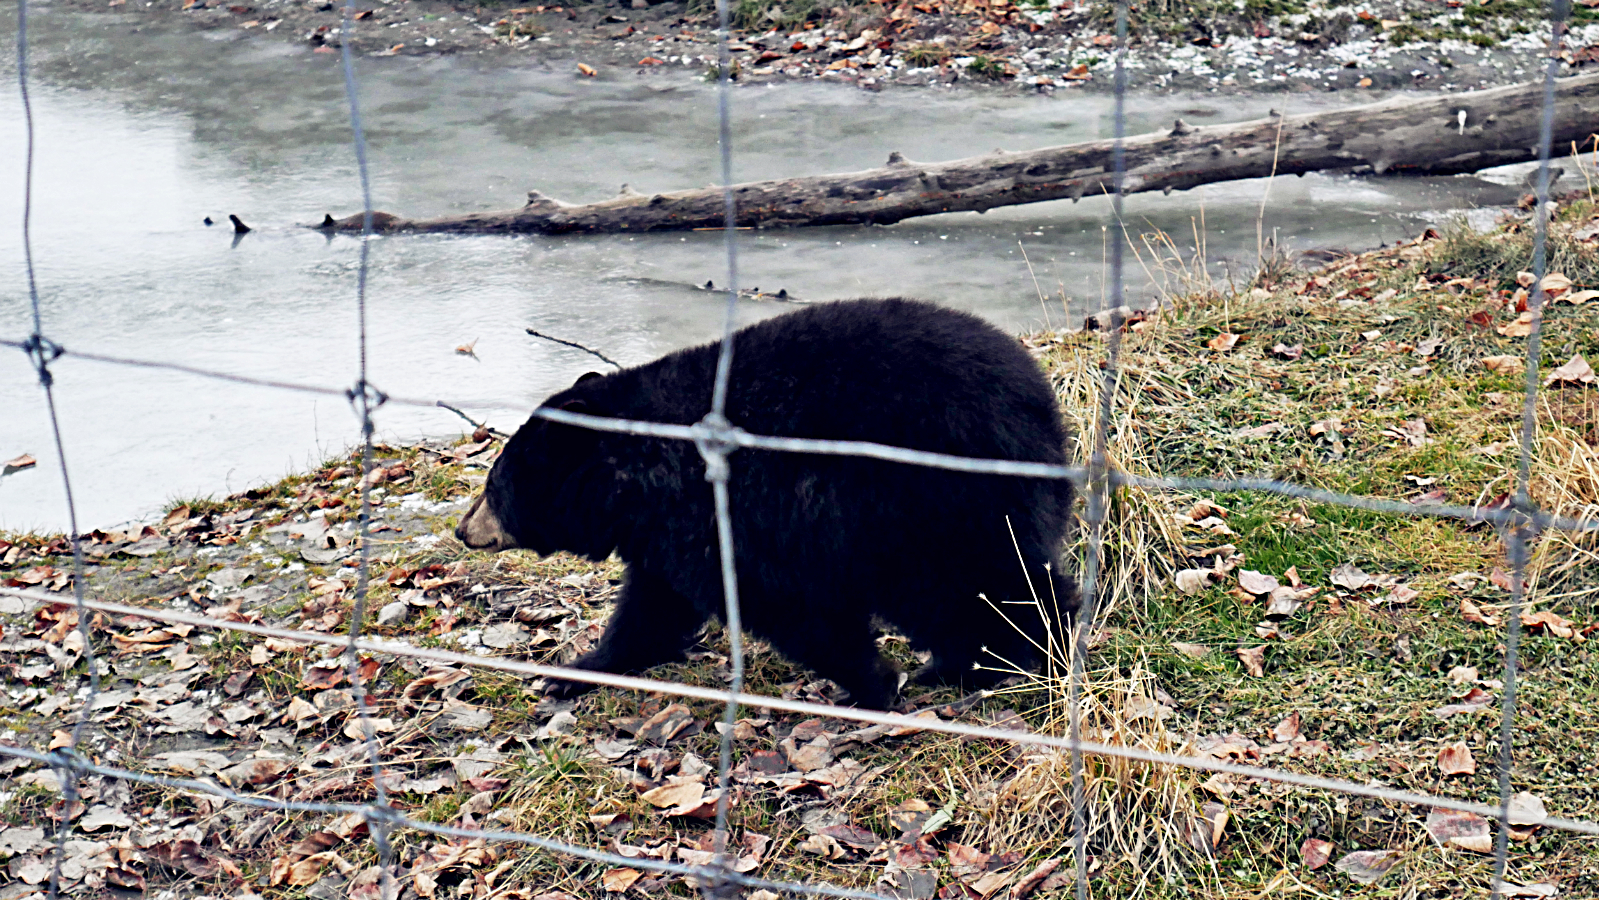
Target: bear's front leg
(652, 625)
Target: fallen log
(1442, 135)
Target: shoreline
(975, 44)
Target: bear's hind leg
(653, 624)
(842, 651)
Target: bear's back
(899, 372)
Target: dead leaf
(1471, 612)
(1223, 342)
(616, 881)
(1412, 432)
(1554, 283)
(1283, 351)
(853, 836)
(1527, 809)
(1575, 371)
(1030, 882)
(1537, 889)
(1287, 729)
(1521, 327)
(1255, 582)
(1578, 298)
(1456, 759)
(1552, 623)
(823, 846)
(468, 349)
(1197, 651)
(17, 464)
(1468, 831)
(675, 793)
(1367, 866)
(1475, 700)
(588, 70)
(1504, 364)
(1254, 660)
(1192, 581)
(1350, 577)
(665, 725)
(1315, 852)
(1260, 431)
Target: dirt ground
(1017, 45)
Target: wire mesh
(716, 439)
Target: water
(144, 130)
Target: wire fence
(716, 439)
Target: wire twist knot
(715, 437)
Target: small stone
(393, 613)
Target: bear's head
(543, 492)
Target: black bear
(965, 566)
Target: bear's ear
(575, 404)
(586, 376)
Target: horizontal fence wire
(716, 439)
(821, 710)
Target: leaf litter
(631, 774)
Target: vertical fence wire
(364, 398)
(1098, 488)
(1517, 535)
(715, 449)
(716, 442)
(41, 352)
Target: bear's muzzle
(480, 528)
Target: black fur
(824, 545)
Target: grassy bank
(1382, 374)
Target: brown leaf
(1501, 579)
(588, 70)
(1578, 298)
(1033, 879)
(1471, 612)
(1456, 759)
(665, 725)
(1521, 327)
(909, 816)
(1554, 283)
(964, 860)
(852, 836)
(1254, 660)
(1504, 364)
(1315, 852)
(1283, 351)
(1367, 866)
(1468, 831)
(1552, 623)
(1412, 432)
(1348, 576)
(1575, 371)
(17, 464)
(1197, 651)
(1287, 729)
(616, 881)
(1527, 809)
(1260, 431)
(1192, 581)
(1223, 342)
(1255, 582)
(1475, 700)
(681, 792)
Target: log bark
(1406, 136)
